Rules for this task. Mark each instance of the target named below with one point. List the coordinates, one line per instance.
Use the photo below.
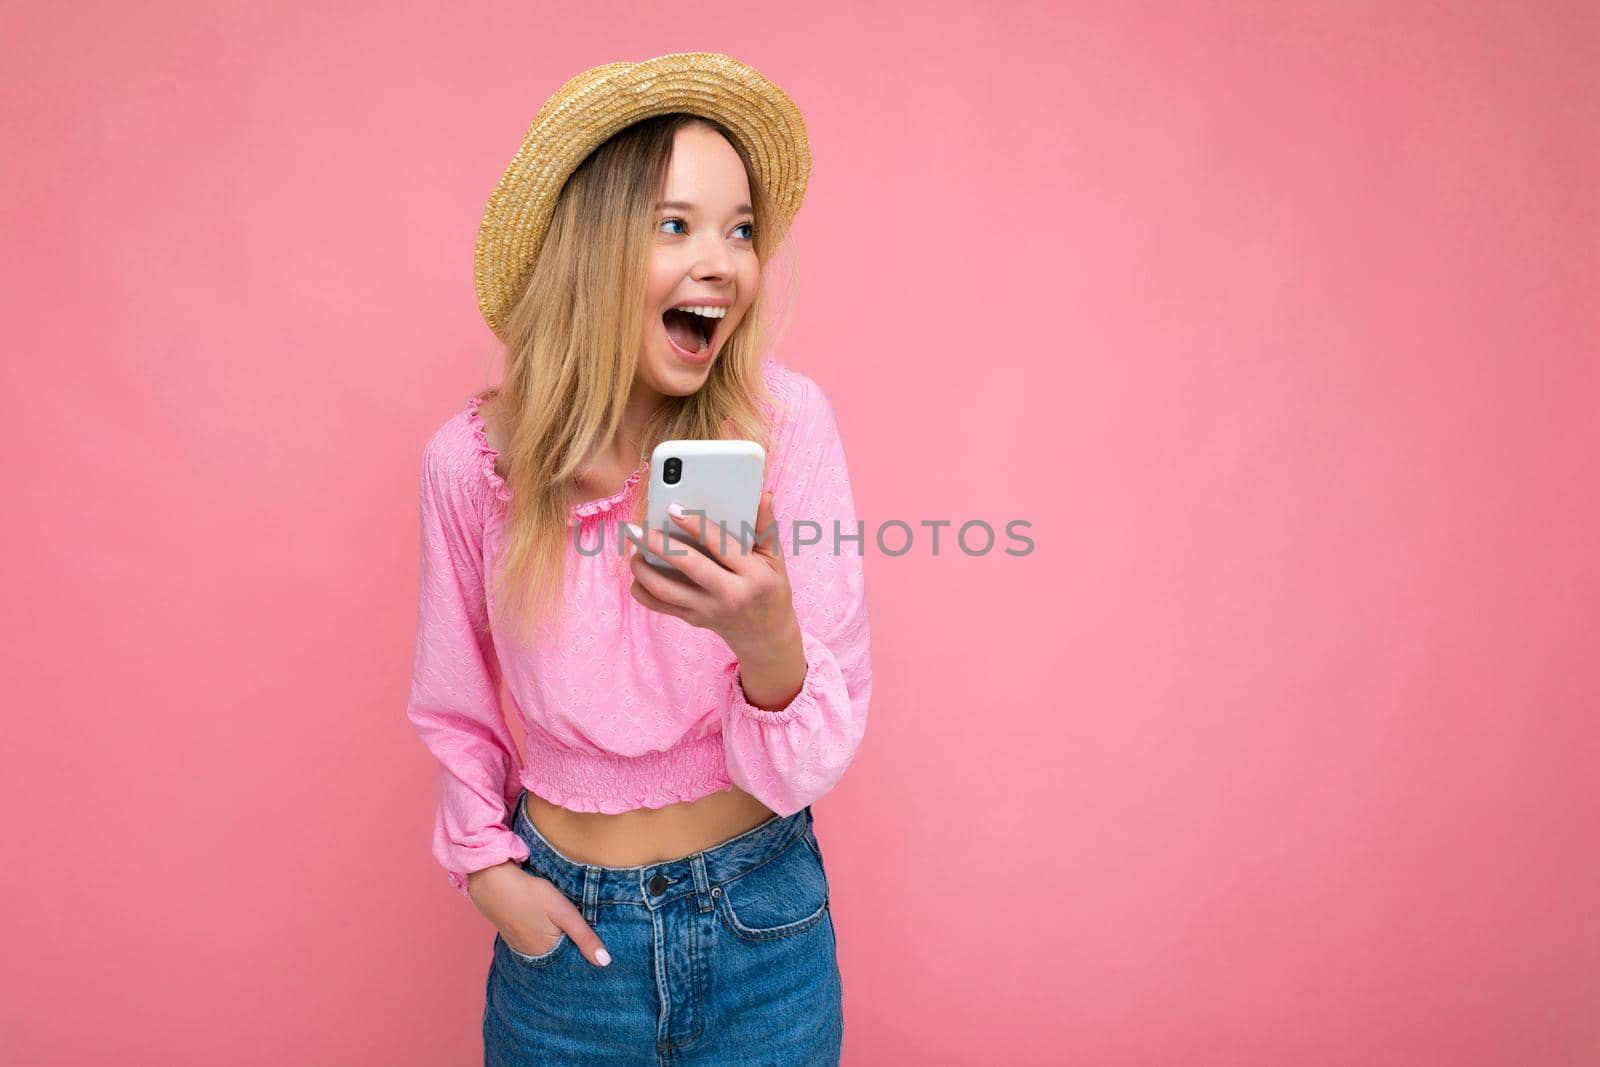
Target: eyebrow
(684, 205)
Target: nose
(712, 259)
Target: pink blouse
(633, 708)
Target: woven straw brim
(596, 104)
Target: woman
(649, 864)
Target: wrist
(478, 879)
(773, 645)
(772, 675)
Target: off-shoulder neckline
(488, 455)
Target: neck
(642, 402)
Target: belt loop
(702, 881)
(591, 892)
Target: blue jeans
(726, 956)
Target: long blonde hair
(571, 348)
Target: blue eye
(742, 226)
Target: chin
(674, 379)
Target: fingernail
(631, 530)
(675, 509)
(604, 957)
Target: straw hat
(591, 107)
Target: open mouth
(690, 332)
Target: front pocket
(786, 895)
(534, 961)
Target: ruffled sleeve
(789, 757)
(455, 702)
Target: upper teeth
(708, 312)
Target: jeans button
(659, 884)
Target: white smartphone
(720, 478)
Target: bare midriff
(647, 835)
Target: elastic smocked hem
(612, 806)
(487, 457)
(610, 784)
(803, 702)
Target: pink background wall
(1277, 322)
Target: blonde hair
(571, 346)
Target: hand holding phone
(740, 591)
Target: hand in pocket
(532, 914)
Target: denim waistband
(654, 885)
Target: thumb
(766, 527)
(567, 917)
